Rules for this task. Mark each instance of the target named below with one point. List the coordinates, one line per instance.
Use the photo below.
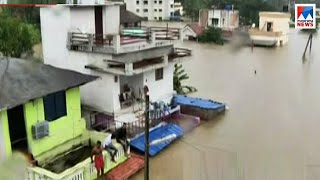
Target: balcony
(50, 166)
(113, 44)
(136, 68)
(257, 32)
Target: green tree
(212, 35)
(192, 7)
(16, 37)
(179, 76)
(248, 9)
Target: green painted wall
(5, 131)
(60, 130)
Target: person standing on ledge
(98, 159)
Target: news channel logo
(305, 16)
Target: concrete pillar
(116, 42)
(165, 59)
(153, 37)
(181, 35)
(129, 68)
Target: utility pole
(306, 48)
(146, 134)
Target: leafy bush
(212, 35)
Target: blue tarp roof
(197, 102)
(157, 133)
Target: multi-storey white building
(86, 38)
(152, 9)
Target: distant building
(273, 29)
(192, 31)
(152, 9)
(225, 19)
(178, 8)
(3, 1)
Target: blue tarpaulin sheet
(197, 102)
(155, 134)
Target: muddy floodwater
(272, 129)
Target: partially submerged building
(226, 19)
(40, 113)
(273, 29)
(87, 40)
(192, 31)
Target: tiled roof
(196, 28)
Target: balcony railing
(84, 170)
(257, 32)
(112, 44)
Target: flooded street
(272, 129)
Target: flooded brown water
(272, 129)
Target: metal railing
(108, 123)
(107, 44)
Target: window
(155, 10)
(55, 106)
(160, 10)
(155, 2)
(159, 74)
(138, 10)
(155, 18)
(145, 2)
(171, 13)
(171, 5)
(145, 10)
(269, 26)
(137, 2)
(160, 18)
(160, 2)
(215, 22)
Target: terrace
(257, 32)
(72, 160)
(113, 44)
(135, 68)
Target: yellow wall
(5, 132)
(60, 130)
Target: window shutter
(60, 103)
(49, 107)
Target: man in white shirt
(108, 146)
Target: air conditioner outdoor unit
(40, 130)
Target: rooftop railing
(112, 44)
(257, 32)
